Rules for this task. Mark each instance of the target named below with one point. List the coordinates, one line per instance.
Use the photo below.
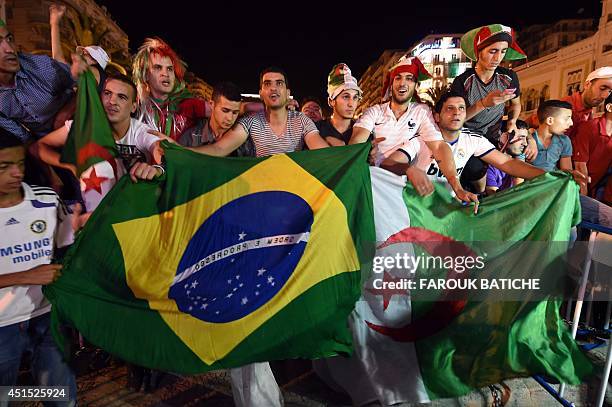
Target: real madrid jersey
(31, 230)
(468, 144)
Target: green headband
(2, 23)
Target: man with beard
(344, 96)
(450, 113)
(404, 118)
(597, 88)
(276, 130)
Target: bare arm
(56, 12)
(514, 110)
(398, 163)
(230, 141)
(49, 145)
(314, 141)
(494, 98)
(511, 166)
(360, 135)
(565, 164)
(39, 275)
(444, 157)
(582, 168)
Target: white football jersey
(468, 144)
(31, 230)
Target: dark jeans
(48, 366)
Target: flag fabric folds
(407, 350)
(223, 262)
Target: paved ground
(301, 387)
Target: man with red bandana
(164, 102)
(405, 117)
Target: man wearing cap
(403, 118)
(33, 88)
(487, 87)
(597, 88)
(344, 96)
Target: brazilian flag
(223, 261)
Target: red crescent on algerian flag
(443, 311)
(92, 149)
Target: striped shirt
(267, 143)
(42, 87)
(469, 85)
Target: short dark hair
(551, 108)
(9, 140)
(521, 125)
(228, 90)
(445, 96)
(310, 99)
(125, 79)
(274, 69)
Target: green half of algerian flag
(465, 341)
(90, 140)
(223, 262)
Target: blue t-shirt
(548, 158)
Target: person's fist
(143, 171)
(56, 12)
(44, 274)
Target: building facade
(564, 71)
(372, 79)
(84, 23)
(440, 54)
(543, 39)
(442, 57)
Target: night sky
(225, 40)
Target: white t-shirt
(32, 229)
(468, 144)
(397, 132)
(136, 145)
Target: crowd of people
(472, 140)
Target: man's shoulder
(465, 75)
(30, 63)
(41, 195)
(501, 70)
(466, 132)
(138, 126)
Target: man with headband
(343, 97)
(403, 118)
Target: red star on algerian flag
(94, 182)
(387, 293)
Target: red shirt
(594, 146)
(580, 113)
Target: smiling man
(404, 118)
(450, 114)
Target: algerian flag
(426, 343)
(223, 262)
(90, 146)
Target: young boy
(513, 144)
(35, 222)
(554, 147)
